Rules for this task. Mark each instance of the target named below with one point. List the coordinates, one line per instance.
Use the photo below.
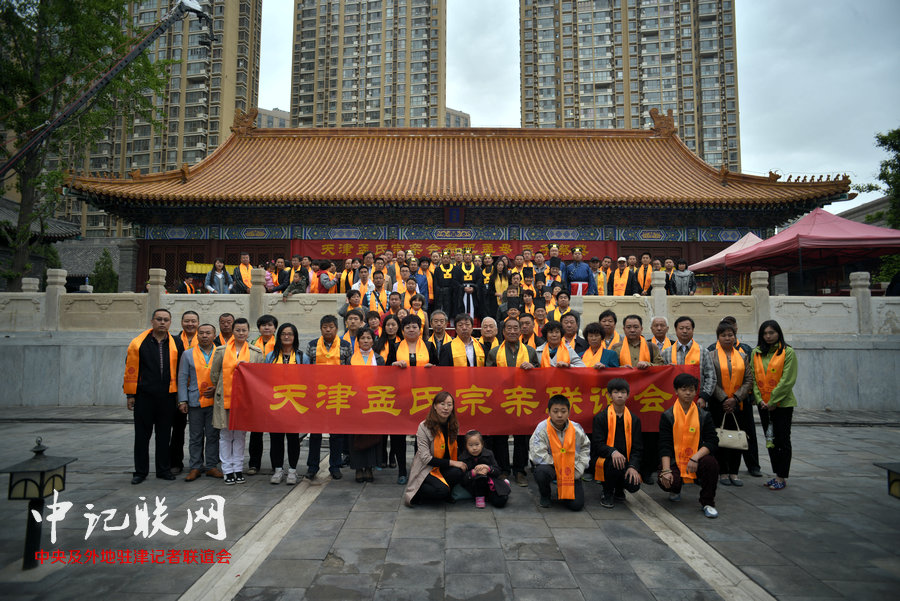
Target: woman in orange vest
(435, 469)
(365, 449)
(734, 380)
(775, 373)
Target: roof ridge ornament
(774, 177)
(135, 174)
(244, 123)
(663, 125)
(185, 172)
(723, 174)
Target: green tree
(104, 278)
(52, 51)
(889, 175)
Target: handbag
(732, 439)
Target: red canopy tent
(716, 263)
(817, 239)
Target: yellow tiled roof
(455, 167)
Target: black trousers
(276, 449)
(780, 455)
(256, 449)
(707, 477)
(614, 479)
(545, 474)
(729, 459)
(433, 490)
(335, 448)
(481, 487)
(499, 444)
(650, 457)
(748, 425)
(176, 442)
(152, 412)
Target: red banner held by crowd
(390, 400)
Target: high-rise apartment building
(204, 90)
(457, 118)
(606, 63)
(273, 118)
(380, 63)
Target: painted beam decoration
(390, 400)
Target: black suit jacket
(632, 287)
(446, 355)
(432, 355)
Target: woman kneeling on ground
(435, 468)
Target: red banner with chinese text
(390, 400)
(334, 250)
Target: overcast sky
(816, 79)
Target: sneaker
(607, 500)
(479, 502)
(521, 479)
(336, 474)
(229, 479)
(310, 475)
(293, 477)
(674, 497)
(710, 512)
(776, 485)
(402, 480)
(252, 471)
(619, 496)
(770, 483)
(277, 477)
(587, 476)
(239, 477)
(545, 502)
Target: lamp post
(33, 480)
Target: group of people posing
(462, 282)
(174, 380)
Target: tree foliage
(104, 278)
(889, 175)
(52, 51)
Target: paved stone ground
(831, 534)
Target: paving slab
(830, 534)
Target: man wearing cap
(622, 282)
(599, 275)
(578, 274)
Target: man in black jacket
(687, 446)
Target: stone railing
(56, 311)
(69, 349)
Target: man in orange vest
(622, 281)
(241, 275)
(560, 450)
(616, 442)
(193, 382)
(687, 446)
(150, 385)
(327, 349)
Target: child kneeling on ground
(482, 475)
(687, 446)
(560, 450)
(618, 445)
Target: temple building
(338, 192)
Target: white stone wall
(69, 349)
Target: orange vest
(625, 353)
(563, 459)
(245, 274)
(691, 358)
(133, 360)
(620, 282)
(611, 438)
(201, 369)
(686, 436)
